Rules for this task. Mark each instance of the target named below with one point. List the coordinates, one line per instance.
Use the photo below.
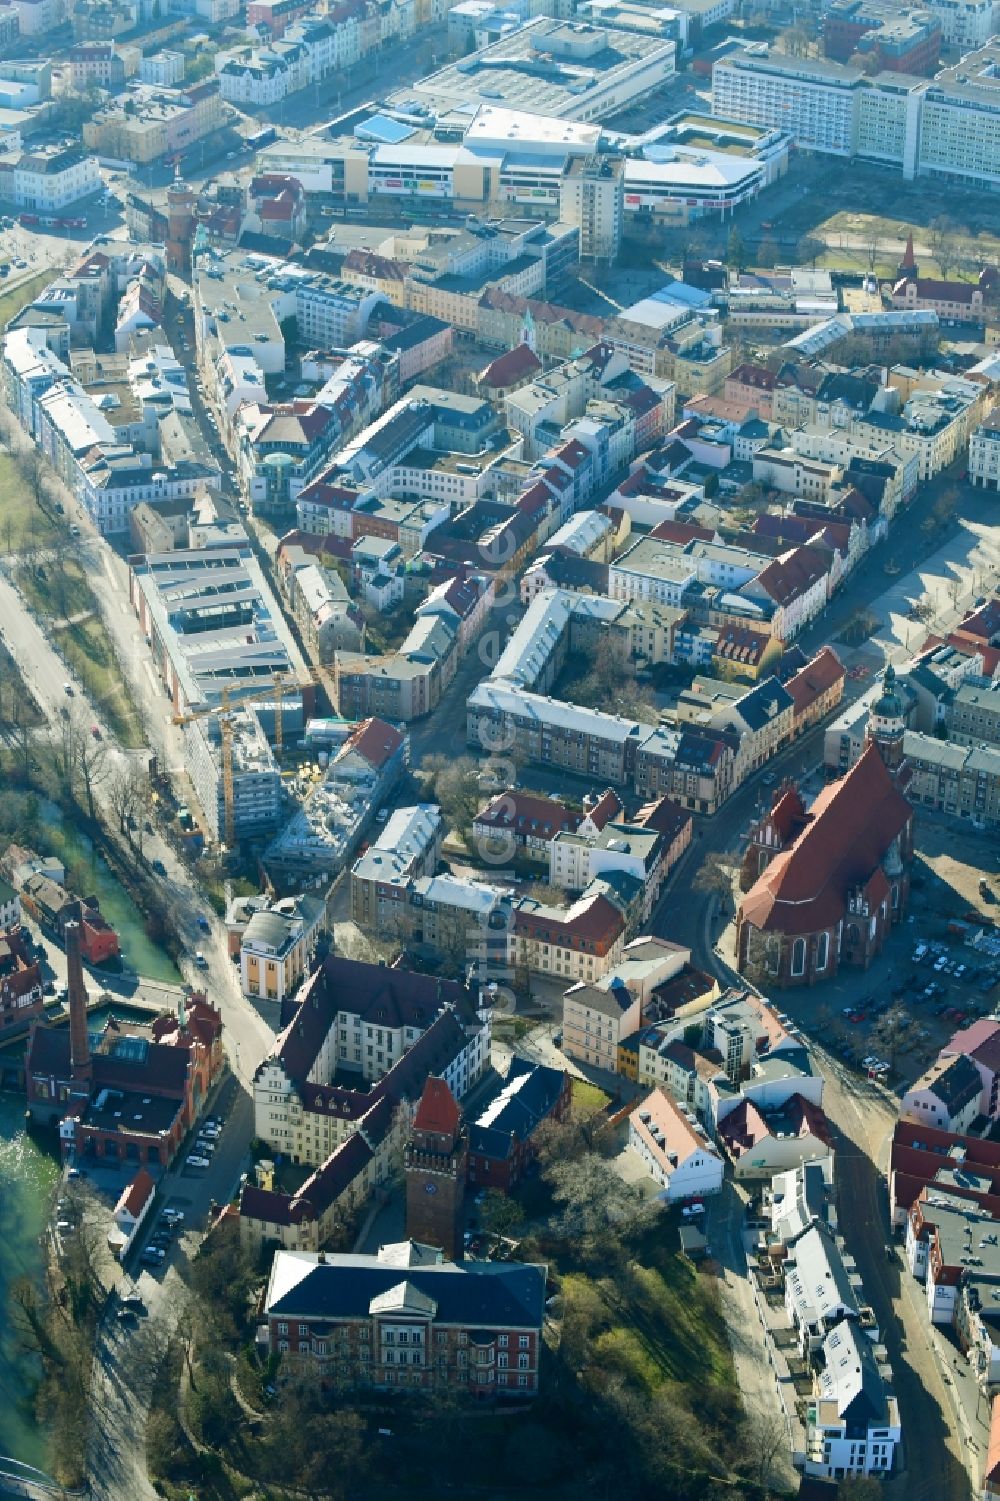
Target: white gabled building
(853, 1424)
(674, 1147)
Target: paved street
(754, 1375)
(934, 1456)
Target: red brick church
(825, 886)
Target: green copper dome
(888, 705)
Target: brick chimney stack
(81, 1066)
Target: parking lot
(929, 980)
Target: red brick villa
(408, 1318)
(829, 884)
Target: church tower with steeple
(887, 723)
(436, 1162)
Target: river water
(28, 1176)
(28, 1172)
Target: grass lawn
(20, 516)
(13, 300)
(588, 1099)
(22, 519)
(660, 1323)
(84, 644)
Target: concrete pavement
(725, 1219)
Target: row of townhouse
(851, 1424)
(396, 890)
(723, 737)
(280, 447)
(75, 434)
(309, 48)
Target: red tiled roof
(816, 678)
(757, 376)
(930, 290)
(515, 363)
(437, 1110)
(678, 531)
(527, 815)
(379, 267)
(787, 814)
(741, 643)
(594, 921)
(137, 1193)
(981, 1042)
(791, 575)
(850, 826)
(607, 807)
(746, 1126)
(375, 740)
(664, 817)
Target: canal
(29, 1174)
(28, 1177)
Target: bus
(262, 138)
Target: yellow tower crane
(277, 686)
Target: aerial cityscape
(500, 750)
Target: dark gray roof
(764, 703)
(851, 1378)
(481, 1294)
(958, 1084)
(516, 1113)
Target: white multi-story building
(853, 1424)
(592, 197)
(162, 68)
(814, 99)
(674, 1148)
(46, 180)
(960, 123)
(984, 453)
(36, 16)
(948, 127)
(965, 24)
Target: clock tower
(436, 1162)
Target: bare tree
(454, 786)
(763, 1436)
(128, 793)
(795, 42)
(810, 248)
(893, 1033)
(715, 877)
(353, 944)
(500, 1214)
(95, 765)
(944, 242)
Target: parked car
(198, 1161)
(159, 867)
(134, 1302)
(153, 1256)
(203, 923)
(200, 960)
(691, 1211)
